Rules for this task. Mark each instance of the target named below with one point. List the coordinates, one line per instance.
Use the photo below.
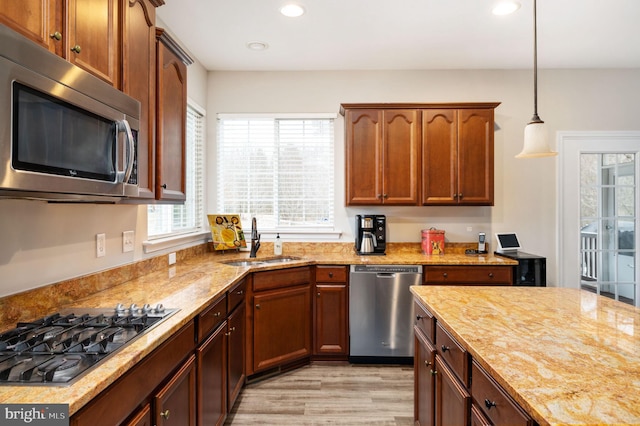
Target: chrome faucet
(255, 238)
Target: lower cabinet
(212, 395)
(278, 318)
(331, 313)
(452, 401)
(175, 403)
(235, 355)
(424, 380)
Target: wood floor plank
(329, 394)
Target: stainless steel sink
(258, 262)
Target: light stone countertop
(567, 356)
(190, 285)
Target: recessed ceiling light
(292, 10)
(257, 45)
(505, 7)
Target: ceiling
(406, 34)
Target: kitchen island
(565, 356)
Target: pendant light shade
(536, 141)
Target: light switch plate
(101, 245)
(128, 238)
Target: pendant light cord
(535, 118)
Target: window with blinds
(168, 220)
(279, 169)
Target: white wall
(525, 190)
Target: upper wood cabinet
(171, 119)
(382, 156)
(457, 156)
(419, 154)
(139, 82)
(93, 40)
(39, 20)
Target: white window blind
(167, 220)
(277, 169)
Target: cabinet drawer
(331, 274)
(477, 275)
(281, 278)
(235, 296)
(425, 321)
(454, 354)
(494, 402)
(209, 319)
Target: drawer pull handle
(445, 348)
(165, 414)
(217, 314)
(489, 404)
(240, 293)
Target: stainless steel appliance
(381, 312)
(371, 234)
(64, 134)
(59, 348)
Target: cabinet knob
(455, 196)
(427, 363)
(434, 372)
(385, 196)
(217, 314)
(257, 306)
(444, 274)
(460, 196)
(165, 414)
(330, 274)
(240, 292)
(164, 186)
(445, 348)
(56, 36)
(419, 317)
(490, 274)
(379, 196)
(318, 294)
(489, 404)
(76, 48)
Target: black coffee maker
(371, 234)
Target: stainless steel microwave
(65, 135)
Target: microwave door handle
(130, 151)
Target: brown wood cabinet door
(142, 418)
(139, 82)
(236, 355)
(363, 156)
(93, 38)
(401, 156)
(453, 401)
(439, 156)
(39, 20)
(211, 359)
(424, 380)
(331, 325)
(171, 126)
(281, 326)
(175, 404)
(475, 156)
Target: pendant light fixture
(536, 141)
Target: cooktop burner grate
(59, 348)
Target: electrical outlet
(172, 258)
(128, 237)
(101, 245)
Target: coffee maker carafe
(371, 235)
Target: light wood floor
(329, 394)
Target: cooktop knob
(133, 308)
(120, 307)
(159, 308)
(146, 308)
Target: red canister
(432, 241)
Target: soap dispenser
(277, 246)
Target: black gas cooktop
(60, 348)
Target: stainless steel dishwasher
(381, 312)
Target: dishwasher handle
(385, 275)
